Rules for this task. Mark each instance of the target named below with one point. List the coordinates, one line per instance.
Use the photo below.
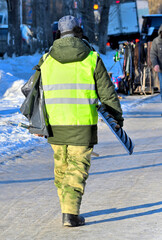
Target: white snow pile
(14, 140)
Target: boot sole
(67, 224)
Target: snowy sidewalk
(123, 197)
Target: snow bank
(14, 72)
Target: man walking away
(73, 79)
(156, 56)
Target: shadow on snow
(128, 216)
(94, 173)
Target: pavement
(123, 196)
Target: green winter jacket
(156, 50)
(69, 50)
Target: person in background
(27, 37)
(73, 79)
(156, 56)
(26, 33)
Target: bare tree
(88, 20)
(58, 9)
(14, 40)
(68, 7)
(42, 23)
(103, 26)
(47, 25)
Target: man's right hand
(156, 68)
(38, 135)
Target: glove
(120, 122)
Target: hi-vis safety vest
(69, 91)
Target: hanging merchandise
(146, 80)
(116, 80)
(128, 68)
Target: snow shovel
(121, 135)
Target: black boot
(71, 220)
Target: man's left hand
(117, 126)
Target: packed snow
(14, 140)
(14, 72)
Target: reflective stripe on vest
(69, 91)
(69, 86)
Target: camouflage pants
(71, 166)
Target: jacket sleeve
(154, 53)
(106, 92)
(37, 72)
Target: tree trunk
(88, 20)
(14, 33)
(42, 24)
(68, 7)
(39, 23)
(103, 26)
(48, 36)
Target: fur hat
(66, 24)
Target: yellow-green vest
(69, 91)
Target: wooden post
(144, 80)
